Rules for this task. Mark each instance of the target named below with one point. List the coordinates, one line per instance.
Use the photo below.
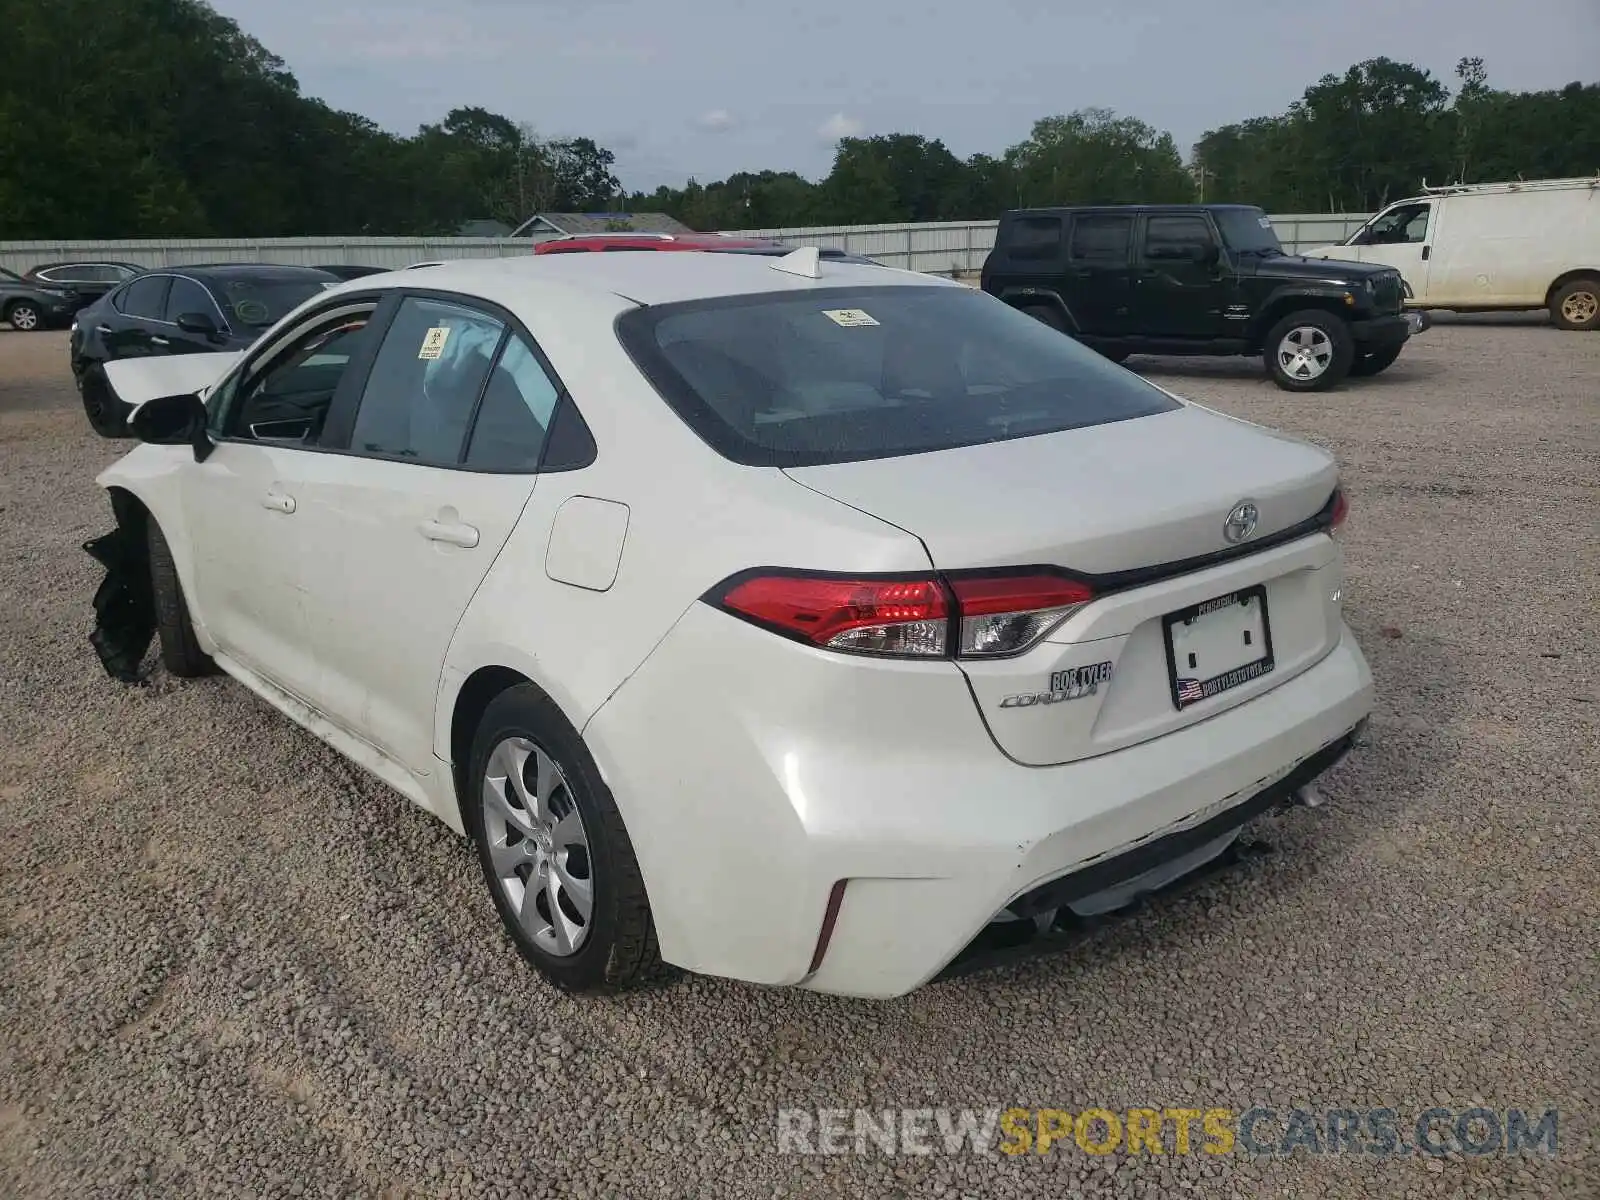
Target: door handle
(102, 329)
(158, 340)
(1427, 251)
(452, 533)
(278, 502)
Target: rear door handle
(102, 329)
(453, 533)
(157, 340)
(278, 502)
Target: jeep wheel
(1576, 305)
(1309, 351)
(1375, 361)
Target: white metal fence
(941, 247)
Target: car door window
(187, 296)
(1407, 224)
(286, 396)
(61, 275)
(1176, 238)
(515, 414)
(1101, 241)
(144, 299)
(425, 381)
(1035, 237)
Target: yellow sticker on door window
(848, 317)
(433, 342)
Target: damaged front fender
(124, 604)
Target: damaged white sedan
(791, 620)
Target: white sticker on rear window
(433, 342)
(848, 317)
(1264, 222)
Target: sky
(705, 88)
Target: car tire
(1576, 304)
(1309, 351)
(107, 415)
(561, 870)
(180, 650)
(1375, 361)
(25, 317)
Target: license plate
(1217, 645)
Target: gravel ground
(232, 964)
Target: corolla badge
(1241, 522)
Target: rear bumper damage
(1053, 915)
(124, 607)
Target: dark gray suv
(28, 306)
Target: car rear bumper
(752, 789)
(1381, 332)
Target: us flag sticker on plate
(848, 317)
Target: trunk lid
(1129, 504)
(1123, 496)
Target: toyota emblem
(1241, 522)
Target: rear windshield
(258, 303)
(835, 375)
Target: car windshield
(836, 375)
(258, 303)
(1247, 231)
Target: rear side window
(518, 406)
(187, 296)
(1176, 237)
(1102, 240)
(144, 298)
(837, 375)
(425, 382)
(1034, 237)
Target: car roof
(1058, 209)
(642, 278)
(260, 272)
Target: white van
(1492, 246)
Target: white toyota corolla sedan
(789, 620)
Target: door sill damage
(124, 605)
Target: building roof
(484, 227)
(622, 222)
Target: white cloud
(718, 120)
(839, 126)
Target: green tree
(1093, 156)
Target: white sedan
(795, 621)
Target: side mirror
(173, 421)
(198, 323)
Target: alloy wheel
(24, 319)
(538, 846)
(1305, 352)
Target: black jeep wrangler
(1198, 279)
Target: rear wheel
(1309, 351)
(180, 650)
(24, 316)
(107, 415)
(1576, 305)
(1375, 361)
(554, 851)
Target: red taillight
(883, 616)
(1341, 510)
(990, 615)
